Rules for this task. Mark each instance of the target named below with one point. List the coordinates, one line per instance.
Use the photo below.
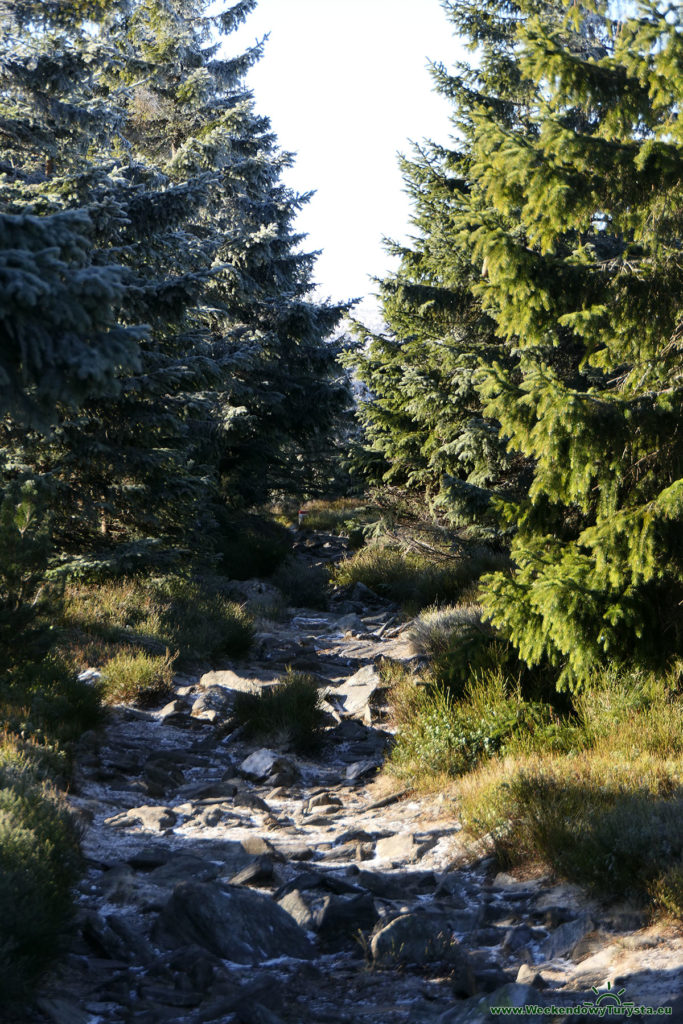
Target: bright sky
(346, 86)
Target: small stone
(360, 770)
(258, 872)
(400, 848)
(152, 817)
(257, 846)
(323, 800)
(175, 707)
(358, 693)
(233, 923)
(213, 703)
(420, 939)
(262, 763)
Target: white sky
(346, 86)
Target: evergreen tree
(597, 189)
(205, 236)
(60, 294)
(423, 419)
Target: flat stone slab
(240, 682)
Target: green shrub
(290, 711)
(302, 584)
(39, 863)
(201, 622)
(438, 628)
(666, 893)
(448, 736)
(46, 699)
(250, 546)
(415, 580)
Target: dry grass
(415, 580)
(152, 615)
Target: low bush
(46, 699)
(39, 863)
(137, 678)
(436, 628)
(302, 584)
(445, 736)
(44, 708)
(415, 580)
(291, 711)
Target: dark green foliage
(479, 651)
(62, 342)
(303, 584)
(192, 617)
(288, 711)
(24, 548)
(250, 546)
(444, 734)
(235, 390)
(44, 700)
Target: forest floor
(230, 880)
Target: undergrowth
(596, 791)
(44, 708)
(137, 678)
(416, 579)
(289, 712)
(153, 614)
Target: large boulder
(422, 939)
(231, 922)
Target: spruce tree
(205, 235)
(60, 292)
(423, 418)
(596, 186)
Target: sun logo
(609, 996)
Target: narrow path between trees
(231, 882)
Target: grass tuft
(438, 627)
(291, 711)
(137, 678)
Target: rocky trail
(228, 882)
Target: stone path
(232, 884)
